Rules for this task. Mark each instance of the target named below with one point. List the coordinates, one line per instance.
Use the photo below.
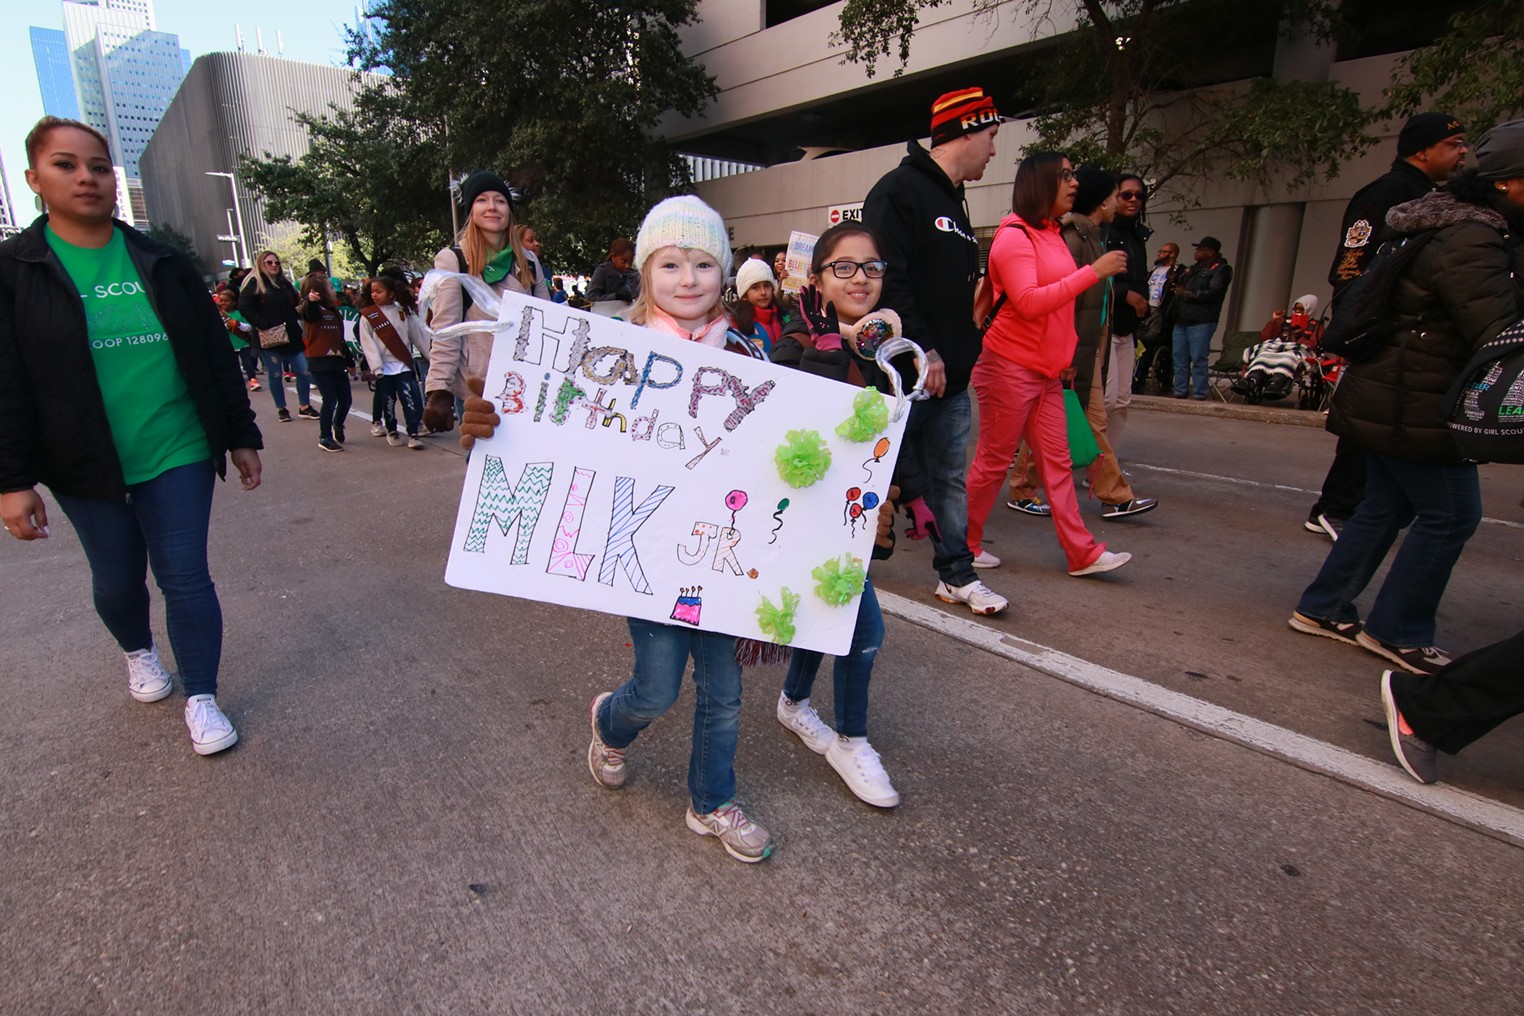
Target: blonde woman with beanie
(491, 248)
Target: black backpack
(1487, 401)
(1361, 310)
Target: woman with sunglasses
(1028, 351)
(268, 300)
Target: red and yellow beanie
(962, 112)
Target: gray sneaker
(742, 838)
(1413, 753)
(605, 763)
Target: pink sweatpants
(1017, 403)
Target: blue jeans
(164, 523)
(938, 431)
(1192, 343)
(661, 656)
(851, 672)
(404, 387)
(276, 364)
(337, 399)
(1444, 505)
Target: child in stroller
(1275, 365)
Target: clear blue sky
(312, 30)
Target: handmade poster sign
(800, 250)
(641, 475)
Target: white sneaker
(210, 730)
(862, 771)
(394, 439)
(376, 430)
(978, 596)
(802, 719)
(413, 442)
(1105, 563)
(985, 559)
(147, 680)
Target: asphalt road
(408, 825)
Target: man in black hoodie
(1128, 234)
(918, 212)
(1430, 149)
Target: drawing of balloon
(870, 501)
(778, 515)
(735, 501)
(857, 503)
(879, 451)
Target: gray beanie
(1500, 153)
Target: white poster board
(801, 248)
(635, 474)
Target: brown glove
(480, 418)
(439, 412)
(884, 539)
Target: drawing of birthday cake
(688, 605)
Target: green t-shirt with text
(153, 420)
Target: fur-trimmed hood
(1438, 209)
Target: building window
(779, 11)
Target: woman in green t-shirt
(118, 393)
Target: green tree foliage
(559, 96)
(172, 237)
(1475, 70)
(372, 180)
(1134, 86)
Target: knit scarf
(712, 334)
(499, 268)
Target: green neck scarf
(499, 268)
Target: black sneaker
(1331, 526)
(1030, 506)
(338, 433)
(1312, 525)
(329, 445)
(1414, 754)
(1347, 632)
(1425, 660)
(307, 413)
(1137, 506)
(283, 415)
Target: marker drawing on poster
(641, 475)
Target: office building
(55, 76)
(826, 131)
(8, 224)
(231, 104)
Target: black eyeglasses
(1130, 195)
(847, 269)
(1066, 174)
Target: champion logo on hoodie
(946, 224)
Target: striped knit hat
(962, 112)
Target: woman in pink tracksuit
(1027, 352)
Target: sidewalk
(1284, 412)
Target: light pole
(238, 212)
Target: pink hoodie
(1035, 328)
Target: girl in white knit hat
(682, 252)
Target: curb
(1288, 416)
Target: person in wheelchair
(1273, 365)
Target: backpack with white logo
(1487, 401)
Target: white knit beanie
(684, 222)
(751, 273)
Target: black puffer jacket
(53, 426)
(275, 306)
(1463, 288)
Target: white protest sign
(637, 474)
(801, 248)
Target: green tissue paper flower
(803, 458)
(778, 622)
(840, 579)
(870, 415)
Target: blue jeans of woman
(1443, 505)
(276, 364)
(333, 385)
(1192, 343)
(163, 523)
(851, 672)
(661, 656)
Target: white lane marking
(1462, 807)
(1217, 477)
